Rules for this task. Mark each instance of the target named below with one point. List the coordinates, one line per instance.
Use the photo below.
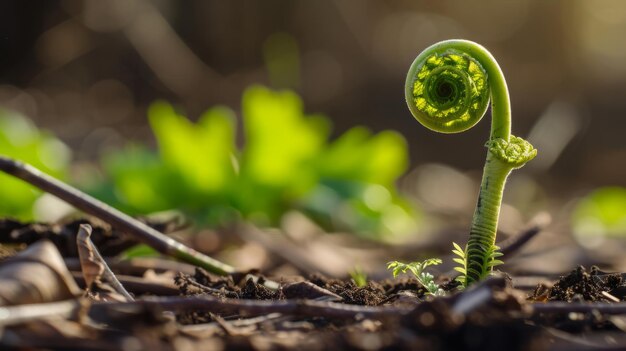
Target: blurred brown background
(86, 70)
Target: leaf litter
(239, 312)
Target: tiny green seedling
(417, 269)
(358, 277)
(448, 89)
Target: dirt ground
(175, 306)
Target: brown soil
(430, 324)
(580, 285)
(318, 313)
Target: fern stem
(485, 222)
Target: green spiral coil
(447, 92)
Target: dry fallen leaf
(101, 283)
(37, 274)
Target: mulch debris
(240, 312)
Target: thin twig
(569, 341)
(207, 303)
(205, 330)
(307, 308)
(137, 285)
(207, 289)
(514, 243)
(240, 322)
(11, 315)
(579, 307)
(469, 301)
(137, 266)
(116, 218)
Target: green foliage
(201, 152)
(358, 277)
(490, 261)
(600, 213)
(461, 259)
(20, 139)
(493, 259)
(287, 162)
(417, 269)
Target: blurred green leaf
(281, 141)
(20, 139)
(202, 152)
(357, 155)
(286, 163)
(602, 212)
(141, 181)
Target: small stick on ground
(208, 328)
(580, 307)
(251, 308)
(136, 285)
(514, 243)
(12, 315)
(116, 218)
(137, 266)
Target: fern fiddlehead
(448, 89)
